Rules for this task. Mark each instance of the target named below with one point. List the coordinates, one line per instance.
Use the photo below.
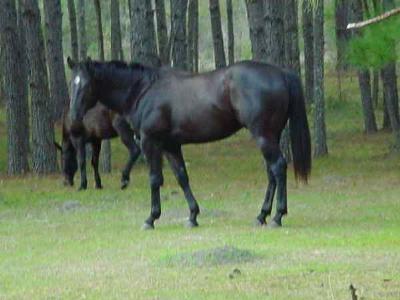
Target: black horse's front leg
(153, 154)
(96, 147)
(81, 152)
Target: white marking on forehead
(77, 79)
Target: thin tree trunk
(73, 30)
(178, 33)
(14, 89)
(308, 37)
(366, 100)
(342, 34)
(218, 38)
(375, 88)
(321, 147)
(162, 31)
(193, 27)
(255, 17)
(82, 30)
(44, 159)
(55, 57)
(116, 40)
(292, 51)
(386, 121)
(231, 35)
(144, 45)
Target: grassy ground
(343, 228)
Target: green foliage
(376, 44)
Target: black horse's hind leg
(279, 170)
(269, 197)
(81, 152)
(177, 163)
(153, 154)
(96, 147)
(128, 138)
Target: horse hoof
(124, 184)
(82, 188)
(192, 224)
(258, 223)
(147, 226)
(99, 187)
(273, 224)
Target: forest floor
(342, 229)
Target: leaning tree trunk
(218, 38)
(178, 33)
(14, 89)
(308, 37)
(82, 30)
(44, 159)
(231, 35)
(364, 78)
(193, 35)
(321, 147)
(73, 30)
(292, 51)
(55, 57)
(105, 155)
(143, 34)
(116, 40)
(255, 17)
(162, 31)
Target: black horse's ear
(71, 63)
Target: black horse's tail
(299, 131)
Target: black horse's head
(69, 163)
(82, 87)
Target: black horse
(169, 108)
(98, 123)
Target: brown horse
(99, 123)
(170, 108)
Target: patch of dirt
(70, 206)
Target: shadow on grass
(208, 257)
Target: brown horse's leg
(153, 153)
(96, 147)
(79, 145)
(177, 163)
(279, 168)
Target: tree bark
(375, 88)
(193, 35)
(255, 17)
(218, 38)
(274, 30)
(116, 40)
(162, 31)
(44, 159)
(342, 10)
(178, 33)
(73, 30)
(55, 57)
(366, 100)
(292, 51)
(231, 35)
(82, 30)
(14, 90)
(144, 45)
(321, 147)
(308, 37)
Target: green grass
(343, 228)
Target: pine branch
(377, 19)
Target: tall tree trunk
(193, 35)
(162, 31)
(292, 51)
(73, 30)
(44, 159)
(375, 87)
(231, 35)
(275, 39)
(218, 38)
(14, 89)
(82, 30)
(386, 121)
(321, 147)
(105, 155)
(356, 14)
(144, 45)
(255, 17)
(342, 10)
(308, 37)
(116, 40)
(55, 57)
(178, 33)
